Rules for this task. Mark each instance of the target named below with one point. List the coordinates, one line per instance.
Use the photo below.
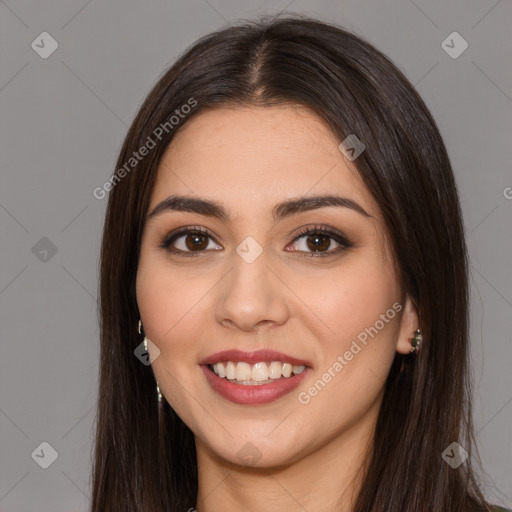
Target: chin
(255, 452)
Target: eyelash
(337, 236)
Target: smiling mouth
(240, 372)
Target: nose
(252, 296)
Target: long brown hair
(145, 460)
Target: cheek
(359, 308)
(169, 303)
(362, 312)
(350, 299)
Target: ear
(408, 324)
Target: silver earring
(416, 341)
(159, 395)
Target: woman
(283, 244)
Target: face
(313, 282)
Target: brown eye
(195, 240)
(318, 241)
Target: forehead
(254, 157)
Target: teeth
(230, 370)
(259, 372)
(243, 371)
(287, 369)
(275, 370)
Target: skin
(313, 308)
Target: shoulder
(501, 509)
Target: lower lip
(255, 394)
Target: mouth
(254, 378)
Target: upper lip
(257, 356)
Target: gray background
(62, 124)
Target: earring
(159, 395)
(416, 341)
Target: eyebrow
(287, 208)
